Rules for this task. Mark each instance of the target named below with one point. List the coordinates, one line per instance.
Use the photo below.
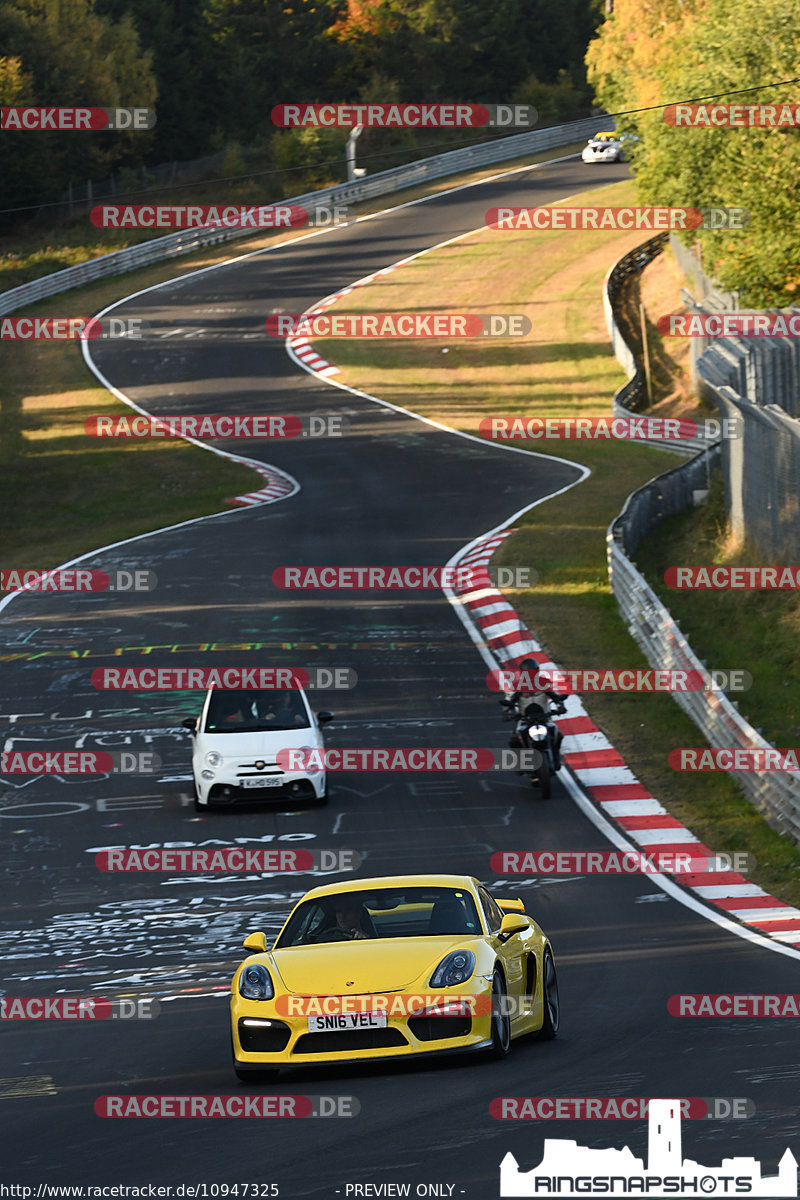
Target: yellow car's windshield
(382, 913)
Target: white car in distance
(235, 743)
(603, 147)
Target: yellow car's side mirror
(256, 942)
(512, 923)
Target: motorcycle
(536, 730)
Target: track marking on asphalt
(27, 1085)
(500, 816)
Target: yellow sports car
(383, 968)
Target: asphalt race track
(392, 490)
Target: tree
(68, 55)
(657, 56)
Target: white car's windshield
(254, 711)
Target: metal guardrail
(776, 794)
(631, 397)
(384, 182)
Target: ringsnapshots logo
(76, 120)
(570, 1170)
(222, 216)
(404, 116)
(398, 325)
(220, 426)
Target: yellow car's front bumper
(264, 1038)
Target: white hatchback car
(603, 147)
(235, 743)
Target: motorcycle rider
(527, 696)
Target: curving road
(393, 490)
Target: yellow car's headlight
(456, 967)
(255, 983)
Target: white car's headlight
(214, 758)
(255, 983)
(456, 967)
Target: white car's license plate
(262, 781)
(334, 1022)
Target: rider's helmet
(530, 667)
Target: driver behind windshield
(353, 919)
(283, 709)
(349, 920)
